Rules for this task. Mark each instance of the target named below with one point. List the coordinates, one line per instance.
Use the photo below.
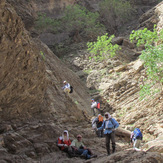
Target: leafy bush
(76, 20)
(103, 48)
(44, 22)
(152, 57)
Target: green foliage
(42, 54)
(116, 10)
(76, 102)
(76, 20)
(44, 22)
(152, 57)
(88, 71)
(144, 37)
(145, 90)
(103, 48)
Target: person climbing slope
(136, 138)
(66, 87)
(94, 106)
(99, 121)
(110, 125)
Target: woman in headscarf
(64, 141)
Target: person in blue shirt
(109, 125)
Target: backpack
(98, 105)
(138, 134)
(71, 89)
(100, 118)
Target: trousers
(109, 137)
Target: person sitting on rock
(94, 106)
(136, 138)
(80, 149)
(110, 125)
(66, 87)
(64, 142)
(99, 121)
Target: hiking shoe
(93, 156)
(82, 156)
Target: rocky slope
(33, 108)
(117, 82)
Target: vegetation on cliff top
(152, 57)
(76, 20)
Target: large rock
(155, 145)
(153, 16)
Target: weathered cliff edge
(33, 107)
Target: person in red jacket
(64, 141)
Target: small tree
(43, 23)
(79, 20)
(103, 48)
(152, 57)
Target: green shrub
(76, 20)
(42, 54)
(103, 48)
(152, 57)
(43, 22)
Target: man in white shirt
(94, 106)
(66, 87)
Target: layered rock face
(22, 73)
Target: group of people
(74, 148)
(102, 127)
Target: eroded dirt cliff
(33, 108)
(22, 72)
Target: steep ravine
(33, 108)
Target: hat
(92, 99)
(79, 136)
(64, 81)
